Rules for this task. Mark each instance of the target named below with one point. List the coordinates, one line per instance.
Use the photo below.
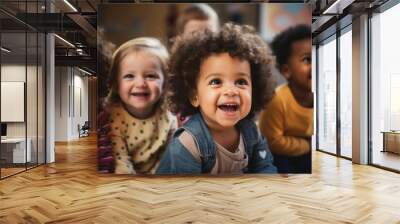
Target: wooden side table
(391, 141)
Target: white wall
(71, 102)
(33, 127)
(61, 103)
(12, 73)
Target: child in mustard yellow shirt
(287, 121)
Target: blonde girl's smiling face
(140, 81)
(223, 91)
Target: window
(346, 92)
(22, 64)
(385, 88)
(327, 96)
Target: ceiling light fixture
(84, 71)
(79, 51)
(5, 50)
(333, 6)
(337, 7)
(70, 5)
(64, 40)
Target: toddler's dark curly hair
(282, 43)
(190, 51)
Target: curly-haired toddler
(220, 79)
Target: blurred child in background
(287, 121)
(197, 17)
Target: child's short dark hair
(190, 51)
(282, 43)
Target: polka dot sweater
(138, 144)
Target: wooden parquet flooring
(71, 191)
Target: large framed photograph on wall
(189, 89)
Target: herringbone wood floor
(70, 191)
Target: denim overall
(178, 160)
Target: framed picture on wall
(12, 101)
(167, 102)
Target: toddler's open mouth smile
(229, 107)
(141, 94)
